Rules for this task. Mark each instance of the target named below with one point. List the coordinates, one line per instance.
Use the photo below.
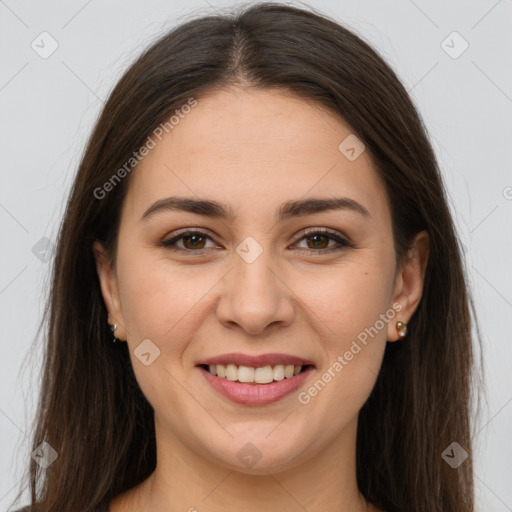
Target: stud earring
(401, 328)
(113, 329)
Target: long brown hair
(91, 409)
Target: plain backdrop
(461, 83)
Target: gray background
(48, 106)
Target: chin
(258, 453)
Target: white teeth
(261, 375)
(231, 372)
(221, 370)
(288, 371)
(245, 374)
(279, 371)
(264, 375)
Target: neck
(186, 481)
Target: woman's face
(257, 281)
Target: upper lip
(256, 361)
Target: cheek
(351, 311)
(352, 334)
(348, 299)
(158, 300)
(159, 303)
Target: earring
(113, 329)
(401, 328)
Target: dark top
(104, 507)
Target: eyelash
(332, 235)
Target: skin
(253, 150)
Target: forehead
(253, 149)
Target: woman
(259, 224)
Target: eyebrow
(289, 209)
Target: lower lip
(256, 394)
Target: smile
(261, 375)
(255, 386)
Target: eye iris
(193, 237)
(197, 240)
(313, 237)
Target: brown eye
(318, 240)
(193, 241)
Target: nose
(256, 296)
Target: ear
(109, 289)
(409, 281)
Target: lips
(256, 393)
